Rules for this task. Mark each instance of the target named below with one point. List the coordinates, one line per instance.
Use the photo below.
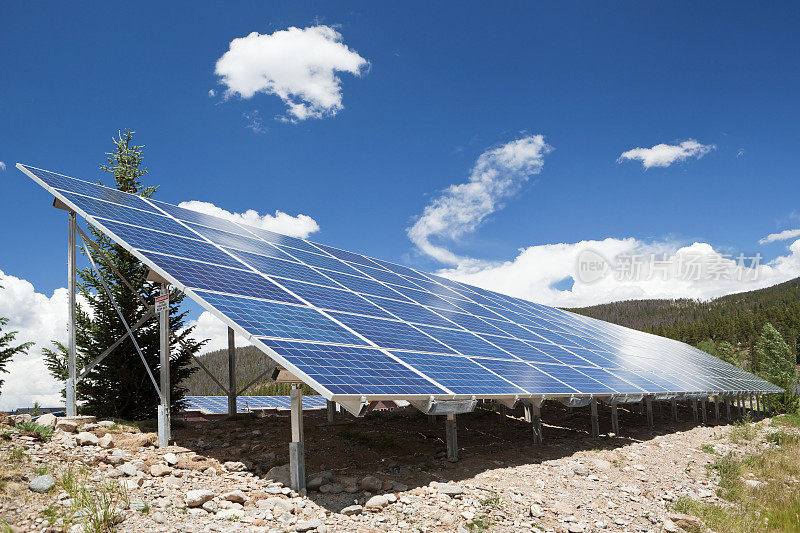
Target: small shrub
(38, 431)
(743, 430)
(708, 449)
(781, 437)
(492, 500)
(17, 455)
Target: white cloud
(211, 93)
(38, 318)
(2, 166)
(663, 155)
(297, 65)
(254, 122)
(207, 326)
(629, 269)
(299, 226)
(497, 175)
(781, 236)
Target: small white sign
(162, 303)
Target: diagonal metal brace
(88, 368)
(122, 318)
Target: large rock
(235, 496)
(234, 466)
(42, 483)
(307, 525)
(69, 426)
(159, 470)
(86, 439)
(376, 503)
(371, 484)
(19, 419)
(171, 459)
(129, 469)
(211, 506)
(48, 420)
(196, 498)
(602, 464)
(106, 441)
(352, 510)
(450, 490)
(280, 474)
(317, 480)
(686, 521)
(106, 423)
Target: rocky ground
(386, 472)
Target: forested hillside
(250, 362)
(738, 318)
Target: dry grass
(772, 506)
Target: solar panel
(217, 405)
(354, 326)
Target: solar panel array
(214, 405)
(350, 325)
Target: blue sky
(444, 84)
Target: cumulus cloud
(626, 269)
(498, 174)
(207, 326)
(298, 65)
(663, 155)
(2, 166)
(38, 318)
(298, 226)
(211, 93)
(784, 235)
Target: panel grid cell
(391, 333)
(459, 374)
(333, 299)
(284, 269)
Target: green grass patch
(708, 448)
(744, 430)
(772, 505)
(37, 431)
(792, 420)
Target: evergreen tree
(119, 386)
(773, 359)
(7, 352)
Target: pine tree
(7, 352)
(119, 386)
(773, 359)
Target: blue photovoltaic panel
(321, 261)
(165, 243)
(215, 278)
(110, 211)
(346, 256)
(333, 299)
(272, 319)
(187, 215)
(283, 269)
(343, 295)
(526, 376)
(465, 342)
(459, 374)
(344, 370)
(391, 333)
(410, 312)
(239, 242)
(365, 286)
(217, 405)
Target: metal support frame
(231, 372)
(504, 415)
(704, 407)
(674, 405)
(694, 409)
(595, 419)
(716, 409)
(758, 403)
(728, 408)
(71, 402)
(769, 405)
(649, 406)
(614, 419)
(164, 425)
(331, 408)
(451, 437)
(533, 414)
(297, 459)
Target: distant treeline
(738, 318)
(250, 363)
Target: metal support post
(641, 407)
(297, 458)
(674, 404)
(164, 425)
(331, 411)
(595, 419)
(614, 419)
(536, 422)
(649, 406)
(694, 409)
(72, 409)
(231, 372)
(451, 436)
(704, 407)
(728, 408)
(504, 415)
(432, 420)
(769, 405)
(716, 409)
(758, 403)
